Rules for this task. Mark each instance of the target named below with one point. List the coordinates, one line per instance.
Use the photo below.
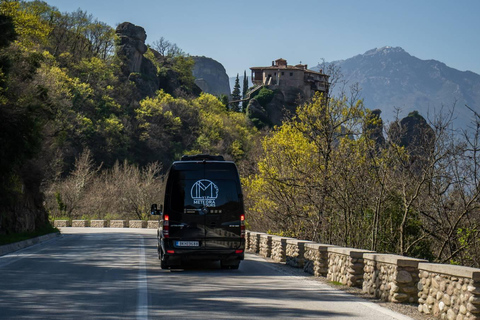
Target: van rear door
(222, 220)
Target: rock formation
(211, 76)
(136, 67)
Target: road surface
(90, 273)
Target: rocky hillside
(391, 78)
(211, 76)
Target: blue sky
(243, 34)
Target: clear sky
(243, 34)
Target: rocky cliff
(131, 49)
(211, 76)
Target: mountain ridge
(391, 78)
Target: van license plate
(186, 243)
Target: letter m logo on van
(204, 192)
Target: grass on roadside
(16, 237)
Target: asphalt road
(115, 274)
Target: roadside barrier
(442, 290)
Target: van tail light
(166, 226)
(238, 251)
(242, 225)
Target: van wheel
(163, 264)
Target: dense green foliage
(70, 93)
(264, 96)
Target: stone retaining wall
(449, 291)
(391, 277)
(345, 265)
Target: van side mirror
(155, 211)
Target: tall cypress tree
(245, 84)
(236, 95)
(244, 91)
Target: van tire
(163, 264)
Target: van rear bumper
(199, 254)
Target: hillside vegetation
(84, 136)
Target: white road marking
(142, 306)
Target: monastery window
(291, 74)
(283, 73)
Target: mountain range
(390, 79)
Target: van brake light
(242, 225)
(166, 226)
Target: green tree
(236, 95)
(244, 91)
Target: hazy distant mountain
(390, 77)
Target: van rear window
(190, 190)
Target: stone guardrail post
(265, 245)
(449, 291)
(247, 240)
(137, 224)
(118, 224)
(61, 223)
(153, 224)
(345, 265)
(279, 249)
(294, 252)
(79, 223)
(98, 224)
(316, 259)
(254, 242)
(391, 277)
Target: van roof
(200, 157)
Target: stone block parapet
(316, 259)
(279, 248)
(61, 223)
(391, 277)
(254, 242)
(137, 224)
(345, 265)
(98, 223)
(449, 291)
(294, 252)
(118, 224)
(79, 223)
(153, 224)
(265, 249)
(247, 240)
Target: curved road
(107, 273)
